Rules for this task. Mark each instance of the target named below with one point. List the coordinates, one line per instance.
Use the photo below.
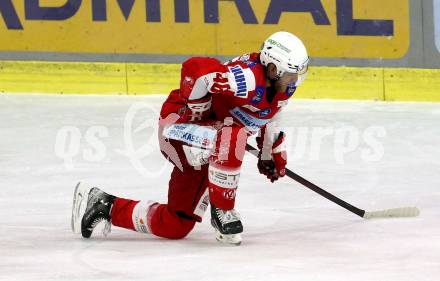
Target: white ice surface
(290, 232)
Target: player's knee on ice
(171, 225)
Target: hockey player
(203, 129)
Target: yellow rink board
(343, 83)
(412, 84)
(152, 78)
(62, 78)
(391, 84)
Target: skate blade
(228, 239)
(79, 206)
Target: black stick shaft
(315, 188)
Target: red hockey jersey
(236, 89)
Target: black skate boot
(227, 225)
(90, 207)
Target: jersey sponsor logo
(253, 124)
(290, 90)
(192, 134)
(188, 81)
(251, 64)
(240, 80)
(264, 112)
(259, 93)
(251, 108)
(245, 58)
(222, 178)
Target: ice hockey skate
(227, 225)
(90, 207)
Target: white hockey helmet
(287, 52)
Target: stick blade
(404, 212)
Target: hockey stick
(396, 212)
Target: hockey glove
(197, 110)
(274, 167)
